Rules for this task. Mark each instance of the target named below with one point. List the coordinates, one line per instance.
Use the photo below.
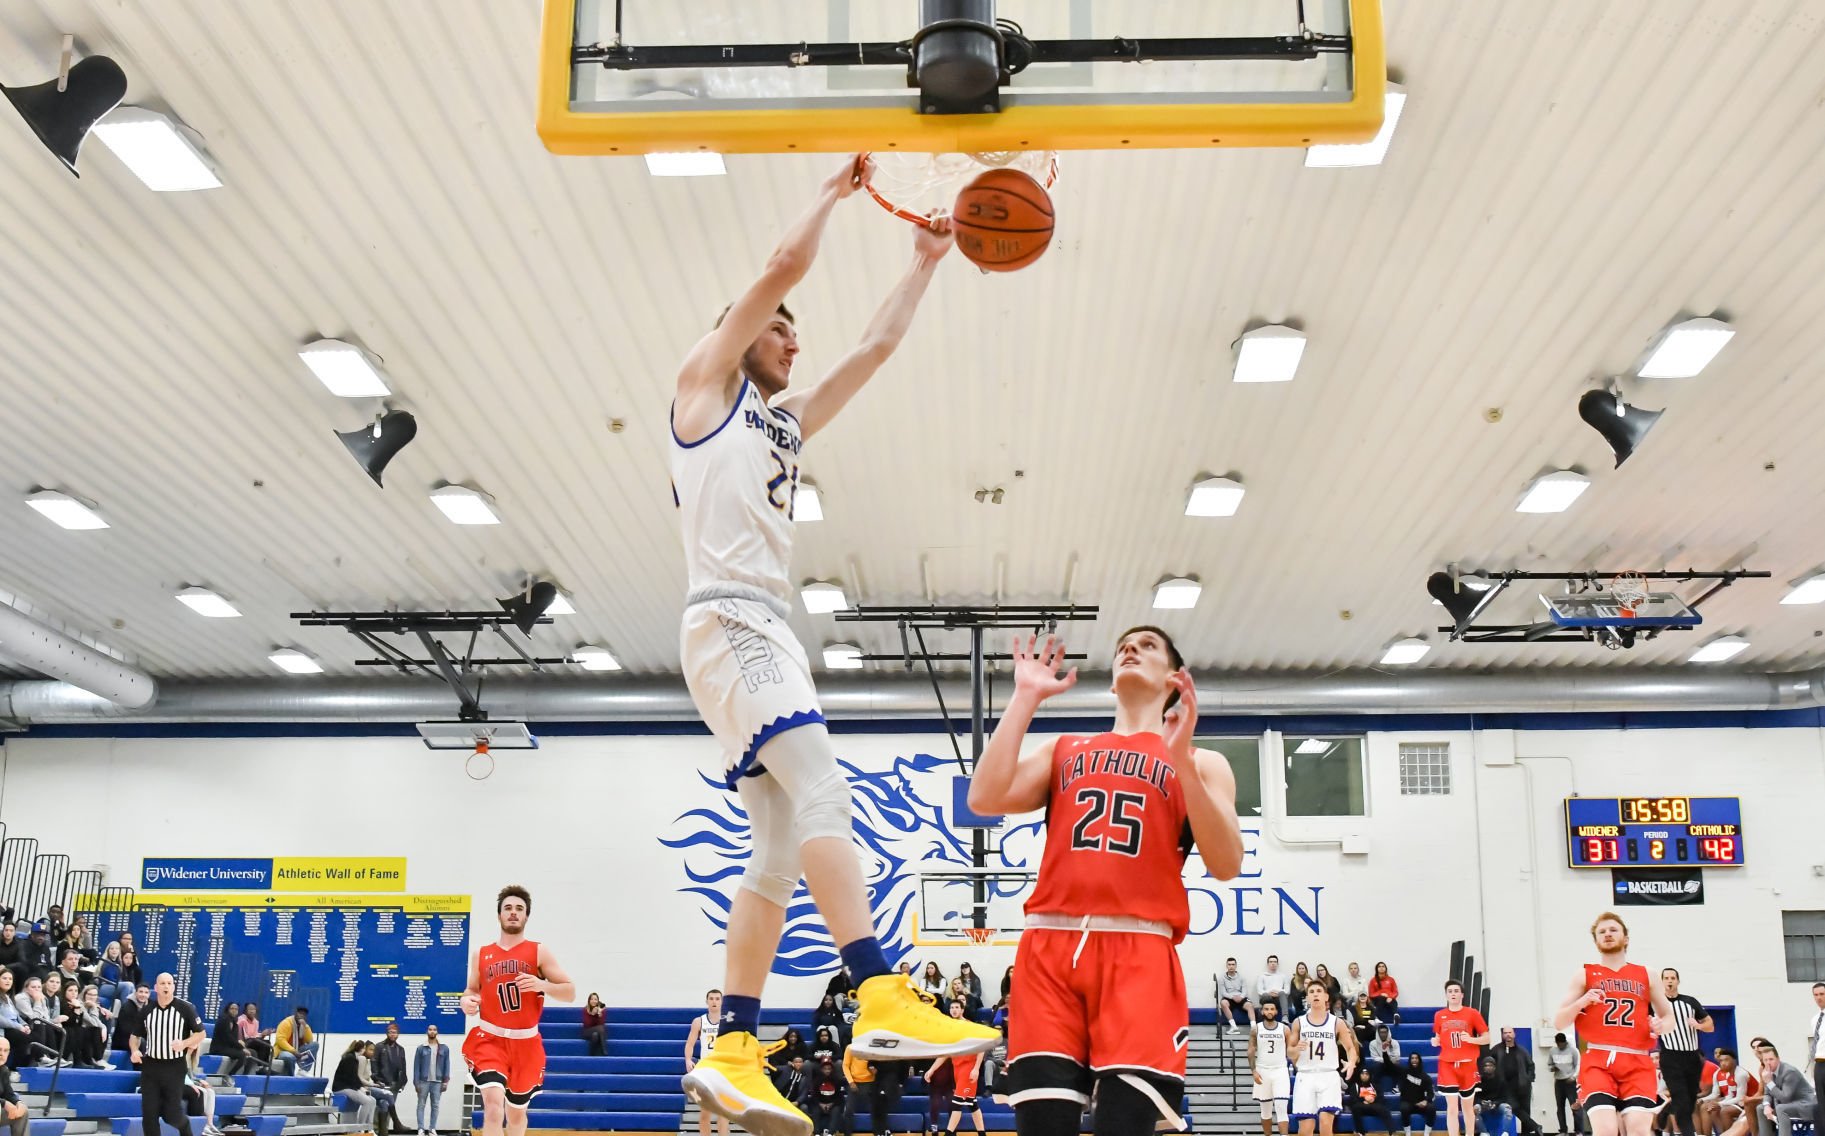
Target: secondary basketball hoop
(978, 907)
(979, 935)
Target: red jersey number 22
(1124, 811)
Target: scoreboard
(1653, 832)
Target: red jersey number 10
(1124, 810)
(509, 994)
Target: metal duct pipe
(36, 646)
(889, 696)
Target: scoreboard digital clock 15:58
(1653, 832)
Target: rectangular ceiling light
(295, 662)
(561, 605)
(1368, 153)
(1686, 348)
(593, 658)
(697, 163)
(843, 657)
(822, 599)
(1404, 651)
(1177, 593)
(464, 506)
(155, 148)
(65, 511)
(807, 505)
(1215, 497)
(345, 369)
(206, 603)
(1269, 354)
(1553, 493)
(1720, 649)
(1811, 590)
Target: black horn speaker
(526, 607)
(374, 446)
(62, 119)
(1622, 426)
(1458, 602)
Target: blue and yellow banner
(278, 873)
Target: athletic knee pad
(1136, 1103)
(773, 861)
(823, 809)
(801, 762)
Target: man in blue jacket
(430, 1077)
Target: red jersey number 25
(1124, 812)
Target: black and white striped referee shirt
(1680, 1034)
(164, 1026)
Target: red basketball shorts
(517, 1064)
(1457, 1077)
(1115, 1006)
(1622, 1081)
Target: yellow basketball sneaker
(897, 1021)
(732, 1082)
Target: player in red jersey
(509, 981)
(1099, 999)
(1618, 1009)
(966, 1073)
(1458, 1032)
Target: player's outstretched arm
(690, 1042)
(817, 405)
(555, 983)
(718, 354)
(1576, 999)
(1207, 782)
(1007, 781)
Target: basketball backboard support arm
(1466, 629)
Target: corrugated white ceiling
(1567, 178)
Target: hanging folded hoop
(919, 187)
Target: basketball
(1368, 1094)
(1003, 220)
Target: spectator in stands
(18, 1117)
(971, 979)
(97, 1025)
(1361, 1017)
(383, 1096)
(37, 950)
(824, 1098)
(1384, 1052)
(1232, 997)
(51, 988)
(55, 924)
(789, 1046)
(69, 968)
(940, 1080)
(1007, 983)
(127, 1019)
(889, 1084)
(1270, 986)
(851, 1008)
(1331, 986)
(430, 1077)
(69, 1017)
(841, 983)
(131, 976)
(1384, 995)
(1354, 985)
(14, 1027)
(905, 969)
(1363, 1100)
(1730, 1090)
(1494, 1102)
(390, 1071)
(1517, 1067)
(1295, 989)
(595, 1025)
(294, 1046)
(199, 1095)
(790, 1077)
(107, 975)
(830, 1015)
(225, 1040)
(1562, 1059)
(74, 939)
(932, 981)
(256, 1041)
(960, 992)
(347, 1081)
(824, 1046)
(12, 953)
(1787, 1100)
(858, 1071)
(1416, 1094)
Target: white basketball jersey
(1320, 1053)
(735, 490)
(707, 1028)
(1270, 1047)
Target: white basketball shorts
(1316, 1091)
(748, 675)
(1275, 1085)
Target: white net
(927, 184)
(1630, 592)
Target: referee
(1680, 1061)
(169, 1030)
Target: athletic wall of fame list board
(357, 961)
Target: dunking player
(1458, 1033)
(1618, 1009)
(1268, 1044)
(1099, 999)
(736, 436)
(1320, 1040)
(509, 981)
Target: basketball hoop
(473, 764)
(978, 935)
(1630, 591)
(918, 187)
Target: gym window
(1804, 932)
(1425, 769)
(1324, 776)
(1244, 756)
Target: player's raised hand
(530, 983)
(934, 238)
(1036, 668)
(1591, 998)
(1182, 719)
(857, 172)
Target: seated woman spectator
(1417, 1093)
(960, 992)
(1384, 995)
(199, 1094)
(40, 1020)
(1331, 986)
(225, 1041)
(256, 1041)
(77, 1038)
(828, 1014)
(17, 1031)
(131, 976)
(824, 1045)
(595, 1025)
(1295, 994)
(932, 981)
(76, 938)
(107, 976)
(1007, 983)
(968, 974)
(383, 1096)
(1363, 1100)
(97, 1026)
(1361, 1017)
(1354, 984)
(780, 1053)
(348, 1081)
(12, 955)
